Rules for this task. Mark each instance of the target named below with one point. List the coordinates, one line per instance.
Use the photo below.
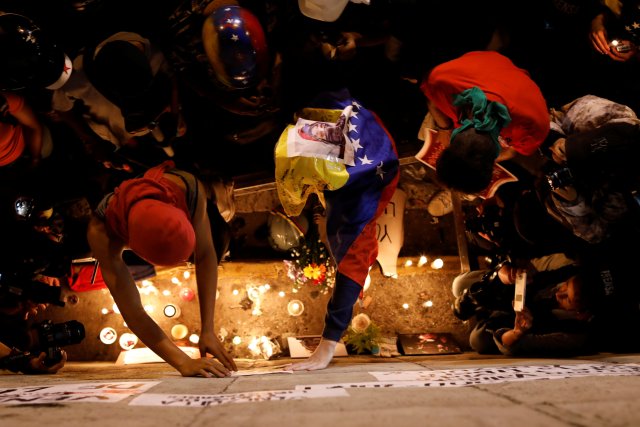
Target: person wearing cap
(486, 110)
(31, 60)
(161, 217)
(593, 145)
(21, 132)
(127, 89)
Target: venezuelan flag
(354, 195)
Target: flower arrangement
(363, 335)
(311, 264)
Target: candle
(108, 335)
(295, 307)
(179, 331)
(171, 311)
(128, 341)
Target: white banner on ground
(84, 392)
(477, 376)
(197, 401)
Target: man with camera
(547, 313)
(19, 300)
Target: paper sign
(431, 150)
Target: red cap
(160, 232)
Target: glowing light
(405, 306)
(294, 290)
(235, 292)
(367, 283)
(108, 335)
(408, 263)
(186, 274)
(253, 293)
(179, 331)
(175, 280)
(295, 307)
(128, 341)
(427, 304)
(267, 286)
(146, 283)
(148, 308)
(236, 340)
(166, 293)
(281, 294)
(615, 43)
(171, 311)
(194, 339)
(115, 309)
(422, 261)
(105, 311)
(187, 294)
(437, 264)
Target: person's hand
(49, 280)
(598, 35)
(37, 364)
(205, 366)
(507, 274)
(210, 344)
(346, 47)
(319, 359)
(524, 321)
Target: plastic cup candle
(295, 307)
(128, 341)
(187, 294)
(179, 331)
(108, 335)
(171, 311)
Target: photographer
(556, 317)
(594, 146)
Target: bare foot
(319, 359)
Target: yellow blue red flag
(342, 152)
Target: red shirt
(11, 138)
(501, 81)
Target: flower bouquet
(363, 336)
(311, 264)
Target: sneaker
(440, 204)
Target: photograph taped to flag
(322, 139)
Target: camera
(49, 337)
(489, 222)
(560, 178)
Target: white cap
(64, 74)
(322, 10)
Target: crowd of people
(119, 118)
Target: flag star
(227, 9)
(628, 28)
(356, 144)
(229, 21)
(635, 25)
(355, 104)
(365, 160)
(379, 171)
(234, 37)
(354, 114)
(352, 127)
